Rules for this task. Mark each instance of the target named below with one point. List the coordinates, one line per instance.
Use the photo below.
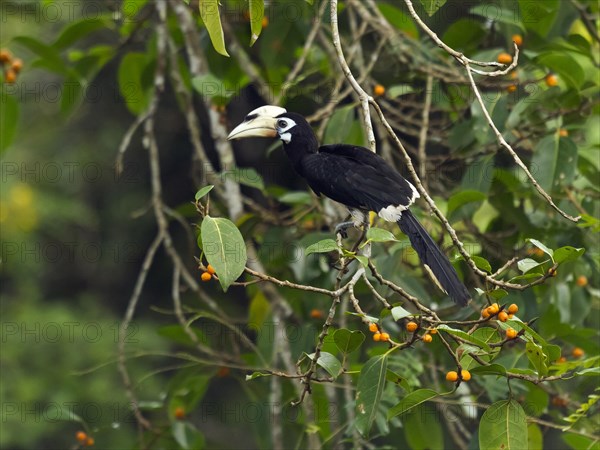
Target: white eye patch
(284, 125)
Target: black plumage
(357, 178)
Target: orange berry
(89, 442)
(552, 272)
(517, 39)
(452, 376)
(563, 133)
(484, 313)
(561, 360)
(551, 80)
(559, 401)
(577, 352)
(427, 338)
(433, 331)
(510, 316)
(581, 281)
(373, 328)
(10, 76)
(5, 56)
(411, 327)
(465, 375)
(81, 436)
(377, 337)
(385, 337)
(265, 21)
(511, 88)
(379, 90)
(504, 58)
(511, 333)
(206, 276)
(17, 65)
(538, 252)
(502, 316)
(210, 269)
(513, 308)
(316, 314)
(514, 75)
(179, 413)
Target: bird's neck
(299, 147)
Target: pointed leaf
(224, 248)
(347, 341)
(503, 426)
(567, 253)
(411, 400)
(371, 383)
(380, 235)
(537, 357)
(467, 337)
(542, 247)
(431, 6)
(398, 312)
(209, 12)
(203, 191)
(257, 12)
(324, 246)
(328, 362)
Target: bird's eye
(281, 124)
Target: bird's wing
(356, 177)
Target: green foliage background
(74, 231)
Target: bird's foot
(341, 229)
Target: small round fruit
(581, 281)
(465, 375)
(452, 376)
(561, 360)
(81, 436)
(551, 80)
(5, 56)
(484, 313)
(552, 272)
(385, 337)
(210, 269)
(511, 333)
(89, 442)
(511, 88)
(427, 338)
(502, 316)
(179, 413)
(205, 276)
(377, 337)
(316, 314)
(517, 39)
(373, 328)
(433, 331)
(563, 132)
(10, 76)
(510, 316)
(504, 58)
(513, 308)
(265, 21)
(411, 327)
(17, 65)
(577, 352)
(379, 90)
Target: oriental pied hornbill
(357, 178)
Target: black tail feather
(431, 255)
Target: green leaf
(498, 294)
(224, 248)
(431, 6)
(527, 264)
(554, 162)
(246, 176)
(492, 369)
(565, 66)
(259, 311)
(495, 13)
(209, 12)
(186, 435)
(538, 16)
(338, 126)
(402, 22)
(542, 247)
(347, 341)
(257, 12)
(503, 426)
(210, 87)
(371, 383)
(132, 88)
(49, 55)
(77, 30)
(330, 363)
(464, 197)
(375, 234)
(9, 118)
(423, 428)
(410, 401)
(567, 253)
(482, 263)
(363, 260)
(324, 246)
(300, 197)
(535, 439)
(398, 90)
(203, 191)
(398, 312)
(536, 356)
(465, 336)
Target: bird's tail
(431, 256)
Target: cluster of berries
(10, 66)
(83, 439)
(207, 276)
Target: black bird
(357, 178)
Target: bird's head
(271, 121)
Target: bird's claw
(341, 229)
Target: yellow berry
(504, 58)
(205, 276)
(502, 316)
(385, 337)
(10, 76)
(5, 56)
(427, 338)
(17, 65)
(433, 331)
(552, 272)
(465, 375)
(513, 308)
(179, 413)
(561, 360)
(81, 436)
(517, 39)
(484, 313)
(377, 337)
(551, 80)
(577, 352)
(511, 88)
(373, 328)
(379, 90)
(511, 333)
(316, 314)
(452, 376)
(510, 316)
(210, 269)
(581, 281)
(265, 21)
(563, 132)
(89, 442)
(411, 327)
(494, 308)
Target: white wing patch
(392, 213)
